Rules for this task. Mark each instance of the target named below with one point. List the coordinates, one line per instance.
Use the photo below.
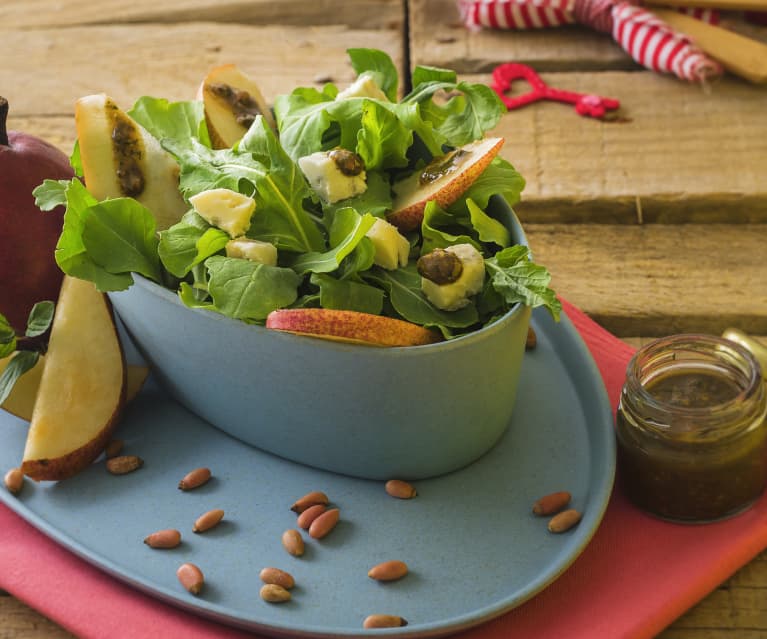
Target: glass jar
(691, 429)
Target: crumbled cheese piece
(391, 248)
(228, 210)
(327, 179)
(455, 295)
(363, 87)
(253, 250)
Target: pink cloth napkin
(636, 576)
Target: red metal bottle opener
(586, 104)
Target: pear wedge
(120, 158)
(82, 388)
(231, 100)
(21, 401)
(351, 326)
(444, 180)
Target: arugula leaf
(382, 141)
(404, 289)
(181, 121)
(185, 244)
(71, 253)
(433, 237)
(7, 337)
(518, 279)
(466, 116)
(188, 294)
(423, 74)
(19, 364)
(348, 294)
(380, 65)
(280, 216)
(488, 229)
(248, 290)
(120, 236)
(348, 230)
(50, 194)
(40, 318)
(499, 178)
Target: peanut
(278, 577)
(114, 448)
(383, 621)
(388, 570)
(208, 520)
(194, 479)
(168, 538)
(14, 480)
(564, 521)
(306, 518)
(274, 593)
(293, 542)
(531, 341)
(124, 464)
(324, 523)
(400, 489)
(191, 578)
(310, 499)
(551, 503)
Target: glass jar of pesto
(691, 429)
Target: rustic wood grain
(359, 13)
(19, 621)
(658, 165)
(659, 279)
(170, 61)
(438, 38)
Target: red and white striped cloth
(648, 40)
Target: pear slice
(351, 326)
(231, 100)
(21, 400)
(444, 180)
(82, 388)
(120, 158)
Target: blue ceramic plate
(473, 547)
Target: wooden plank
(19, 621)
(654, 279)
(438, 38)
(357, 13)
(170, 60)
(656, 167)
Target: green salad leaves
(326, 256)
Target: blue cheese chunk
(455, 295)
(391, 248)
(328, 180)
(363, 87)
(226, 209)
(253, 250)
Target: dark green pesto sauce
(128, 149)
(244, 107)
(348, 162)
(443, 165)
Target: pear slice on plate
(351, 326)
(232, 100)
(21, 400)
(121, 159)
(444, 179)
(82, 387)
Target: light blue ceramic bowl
(369, 412)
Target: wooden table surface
(653, 225)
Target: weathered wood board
(658, 279)
(358, 13)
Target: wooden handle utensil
(738, 54)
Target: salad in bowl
(226, 231)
